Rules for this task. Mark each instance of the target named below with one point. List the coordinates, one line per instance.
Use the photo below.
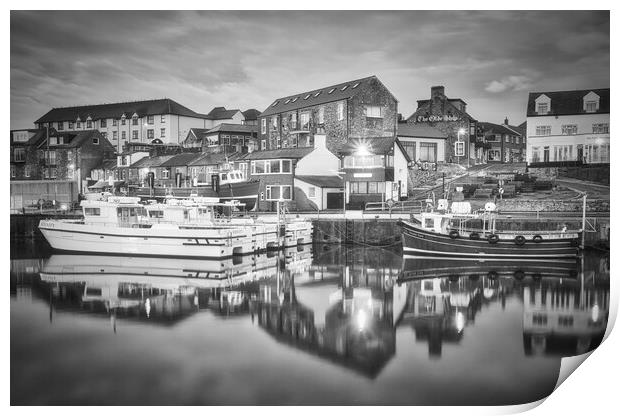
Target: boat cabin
(121, 211)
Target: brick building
(362, 108)
(450, 116)
(504, 143)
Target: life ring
(519, 275)
(492, 275)
(493, 238)
(519, 240)
(474, 236)
(574, 242)
(454, 234)
(537, 238)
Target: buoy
(537, 238)
(454, 234)
(519, 275)
(519, 240)
(474, 236)
(493, 238)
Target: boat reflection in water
(565, 307)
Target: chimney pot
(437, 91)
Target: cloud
(511, 83)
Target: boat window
(224, 176)
(156, 214)
(428, 223)
(92, 211)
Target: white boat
(122, 225)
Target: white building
(423, 143)
(137, 121)
(568, 127)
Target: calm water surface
(325, 325)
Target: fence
(36, 195)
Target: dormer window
(542, 108)
(591, 102)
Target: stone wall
(592, 205)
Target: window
(263, 144)
(114, 122)
(27, 171)
(104, 122)
(71, 125)
(124, 135)
(92, 211)
(543, 130)
(363, 162)
(591, 106)
(286, 166)
(539, 319)
(53, 173)
(165, 174)
(123, 121)
(19, 154)
(263, 125)
(295, 99)
(89, 124)
(274, 121)
(114, 135)
(535, 154)
(459, 148)
(294, 121)
(150, 120)
(373, 111)
(13, 171)
(428, 152)
(332, 90)
(276, 192)
(274, 166)
(78, 125)
(344, 88)
(134, 134)
(50, 157)
(95, 140)
(321, 115)
(312, 192)
(162, 133)
(409, 149)
(356, 85)
(542, 108)
(600, 128)
(507, 138)
(317, 94)
(340, 111)
(569, 129)
(307, 96)
(305, 121)
(134, 120)
(150, 134)
(61, 125)
(163, 119)
(563, 152)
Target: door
(580, 154)
(546, 154)
(335, 200)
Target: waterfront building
(504, 143)
(375, 170)
(422, 143)
(138, 171)
(225, 137)
(362, 109)
(450, 116)
(205, 165)
(24, 154)
(251, 117)
(173, 172)
(568, 128)
(137, 121)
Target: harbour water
(324, 324)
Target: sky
(491, 60)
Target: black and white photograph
(306, 207)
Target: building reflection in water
(342, 304)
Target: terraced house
(362, 108)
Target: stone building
(504, 143)
(450, 116)
(362, 108)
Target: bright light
(361, 320)
(147, 307)
(362, 150)
(595, 312)
(460, 321)
(462, 131)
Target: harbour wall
(547, 205)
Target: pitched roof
(373, 145)
(149, 162)
(234, 128)
(251, 114)
(289, 153)
(221, 113)
(39, 134)
(497, 128)
(181, 159)
(77, 138)
(208, 159)
(323, 95)
(420, 130)
(568, 102)
(322, 181)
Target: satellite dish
(490, 206)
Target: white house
(422, 143)
(568, 127)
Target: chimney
(506, 121)
(437, 91)
(320, 141)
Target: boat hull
(245, 192)
(423, 242)
(156, 241)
